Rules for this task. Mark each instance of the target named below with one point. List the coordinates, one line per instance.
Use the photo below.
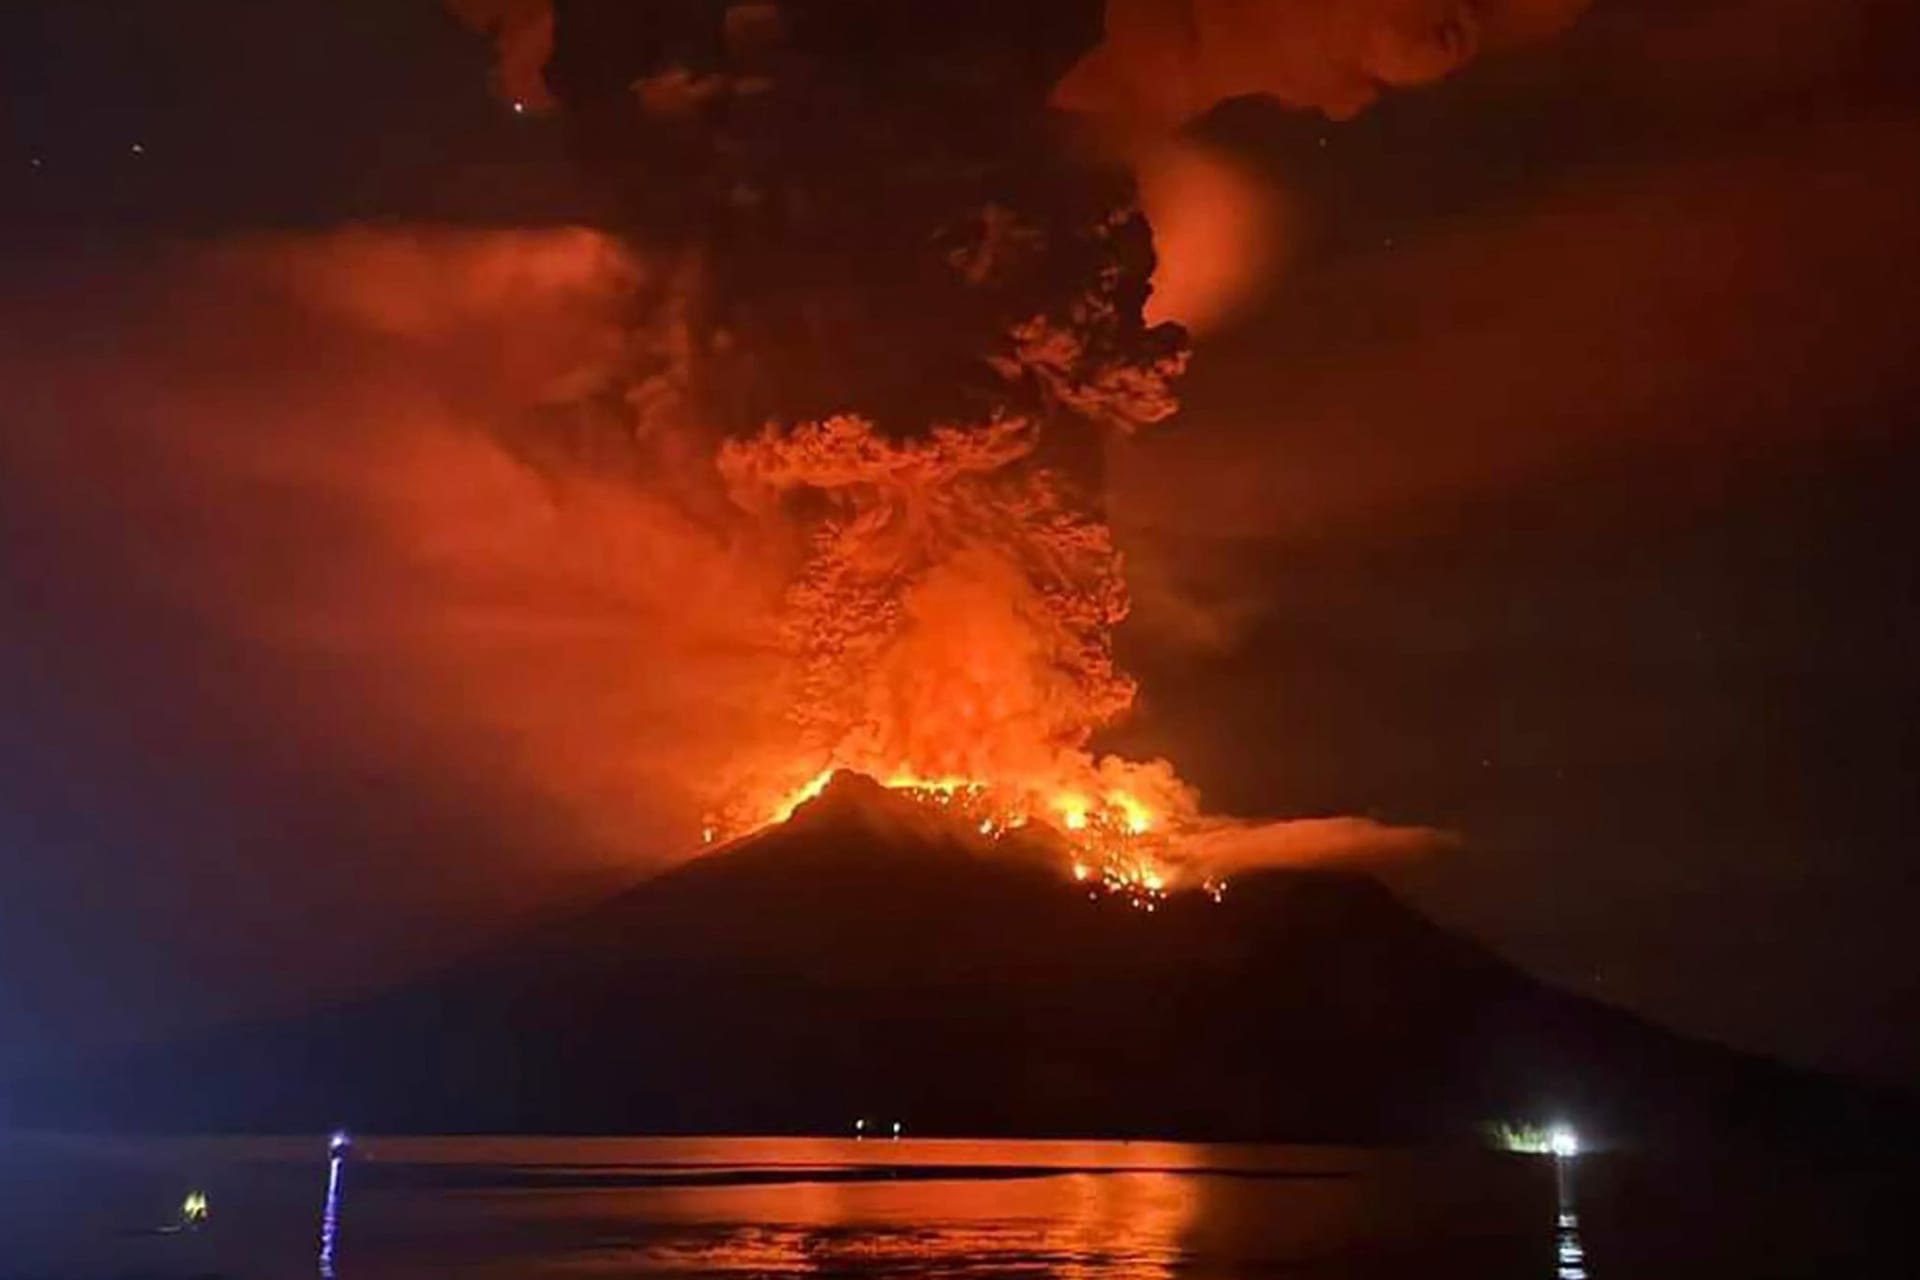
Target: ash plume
(902, 306)
(902, 319)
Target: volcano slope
(867, 959)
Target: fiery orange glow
(1115, 845)
(453, 574)
(947, 631)
(812, 787)
(935, 586)
(1220, 232)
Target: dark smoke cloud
(1684, 287)
(1223, 230)
(1532, 498)
(876, 218)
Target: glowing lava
(946, 628)
(1117, 843)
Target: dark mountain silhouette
(868, 960)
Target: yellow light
(813, 788)
(1138, 817)
(1072, 809)
(1080, 871)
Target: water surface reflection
(1133, 1211)
(526, 1209)
(1570, 1255)
(1131, 1226)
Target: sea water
(84, 1207)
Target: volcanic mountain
(868, 959)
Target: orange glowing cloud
(1737, 308)
(1164, 62)
(1220, 233)
(314, 444)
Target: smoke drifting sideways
(292, 447)
(313, 680)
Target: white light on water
(330, 1207)
(1560, 1140)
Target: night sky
(1555, 491)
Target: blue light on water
(330, 1212)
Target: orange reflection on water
(880, 1207)
(1127, 1225)
(1051, 1208)
(1064, 1209)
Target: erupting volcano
(749, 539)
(900, 316)
(890, 310)
(948, 633)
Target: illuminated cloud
(1165, 62)
(317, 448)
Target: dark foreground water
(531, 1207)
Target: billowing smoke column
(902, 322)
(901, 316)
